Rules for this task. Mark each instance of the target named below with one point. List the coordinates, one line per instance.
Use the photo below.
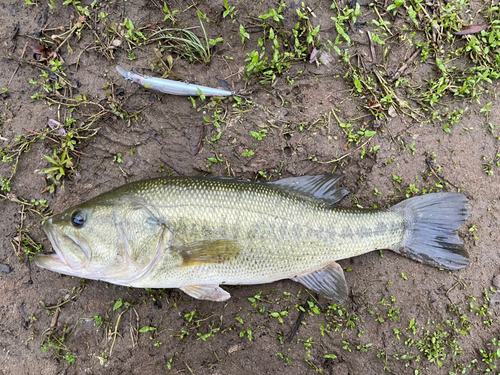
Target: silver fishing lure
(168, 86)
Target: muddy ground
(402, 316)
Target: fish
(200, 233)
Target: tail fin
(431, 221)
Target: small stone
(234, 348)
(4, 268)
(496, 281)
(340, 369)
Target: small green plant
(260, 134)
(491, 356)
(170, 15)
(61, 165)
(229, 11)
(284, 357)
(452, 117)
(279, 315)
(169, 364)
(98, 320)
(243, 34)
(118, 304)
(53, 340)
(27, 246)
(147, 329)
(117, 158)
(248, 332)
(205, 336)
(364, 348)
(186, 43)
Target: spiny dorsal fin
(207, 251)
(208, 292)
(329, 281)
(322, 186)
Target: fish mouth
(55, 262)
(49, 230)
(50, 262)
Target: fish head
(109, 241)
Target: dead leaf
(473, 29)
(81, 20)
(372, 104)
(392, 111)
(11, 197)
(54, 124)
(314, 54)
(40, 52)
(56, 38)
(326, 58)
(170, 60)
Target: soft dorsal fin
(328, 281)
(322, 186)
(208, 292)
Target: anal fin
(328, 281)
(208, 292)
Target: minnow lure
(168, 86)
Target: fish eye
(77, 219)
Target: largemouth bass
(197, 233)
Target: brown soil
(164, 137)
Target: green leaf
(357, 83)
(50, 159)
(47, 170)
(118, 304)
(331, 356)
(370, 133)
(147, 329)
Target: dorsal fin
(322, 186)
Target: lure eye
(77, 219)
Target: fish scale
(197, 233)
(281, 235)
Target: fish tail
(430, 224)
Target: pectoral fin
(210, 251)
(208, 292)
(329, 281)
